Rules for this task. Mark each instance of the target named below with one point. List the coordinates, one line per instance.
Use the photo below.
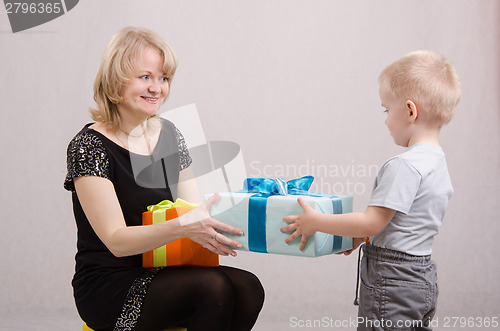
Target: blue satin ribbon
(257, 205)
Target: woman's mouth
(151, 100)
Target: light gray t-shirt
(416, 184)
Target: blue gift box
(259, 210)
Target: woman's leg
(248, 300)
(221, 298)
(201, 296)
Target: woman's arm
(99, 201)
(356, 225)
(187, 188)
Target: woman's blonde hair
(429, 80)
(122, 52)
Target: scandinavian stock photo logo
(26, 14)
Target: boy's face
(397, 120)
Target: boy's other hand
(302, 225)
(356, 242)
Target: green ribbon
(160, 253)
(167, 204)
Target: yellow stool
(86, 328)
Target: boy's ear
(412, 111)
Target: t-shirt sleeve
(86, 156)
(396, 186)
(184, 157)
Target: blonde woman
(130, 158)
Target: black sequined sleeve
(185, 158)
(86, 156)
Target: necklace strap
(134, 136)
(144, 134)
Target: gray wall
(298, 77)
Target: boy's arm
(356, 225)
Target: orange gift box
(181, 252)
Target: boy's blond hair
(429, 80)
(122, 53)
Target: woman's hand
(200, 227)
(302, 224)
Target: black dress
(108, 290)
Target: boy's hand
(302, 224)
(356, 242)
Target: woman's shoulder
(86, 137)
(86, 156)
(171, 130)
(166, 124)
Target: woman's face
(147, 87)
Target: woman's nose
(154, 87)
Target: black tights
(221, 298)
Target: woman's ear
(411, 108)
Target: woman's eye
(164, 79)
(144, 77)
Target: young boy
(398, 278)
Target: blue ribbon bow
(277, 185)
(257, 205)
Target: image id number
(470, 322)
(33, 8)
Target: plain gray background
(295, 84)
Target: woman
(129, 159)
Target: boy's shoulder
(423, 158)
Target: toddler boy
(399, 285)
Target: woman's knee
(254, 287)
(217, 288)
(256, 293)
(247, 287)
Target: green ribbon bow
(167, 204)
